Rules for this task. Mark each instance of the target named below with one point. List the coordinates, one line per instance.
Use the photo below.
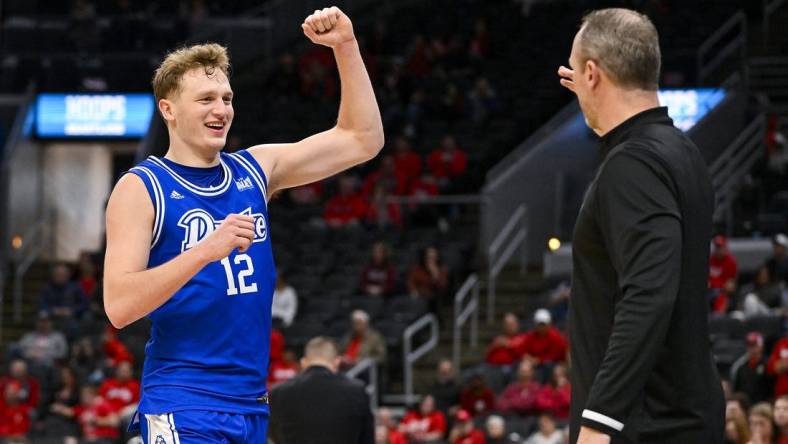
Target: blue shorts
(202, 427)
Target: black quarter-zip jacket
(642, 368)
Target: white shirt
(285, 305)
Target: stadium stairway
(520, 294)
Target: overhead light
(553, 244)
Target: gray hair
(625, 44)
(322, 348)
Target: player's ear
(165, 109)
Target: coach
(320, 406)
(642, 365)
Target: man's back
(320, 407)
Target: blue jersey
(209, 344)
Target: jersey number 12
(232, 289)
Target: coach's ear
(592, 73)
(166, 111)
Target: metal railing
(769, 8)
(716, 49)
(410, 356)
(512, 236)
(462, 314)
(370, 367)
(34, 240)
(734, 162)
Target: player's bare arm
(131, 290)
(358, 134)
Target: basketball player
(188, 243)
(642, 369)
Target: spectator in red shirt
(115, 351)
(347, 207)
(407, 163)
(722, 264)
(506, 349)
(382, 214)
(99, 422)
(14, 415)
(477, 398)
(385, 419)
(284, 369)
(554, 398)
(28, 391)
(778, 367)
(379, 277)
(544, 344)
(388, 177)
(277, 345)
(520, 396)
(362, 342)
(429, 278)
(123, 391)
(464, 431)
(447, 162)
(781, 419)
(425, 424)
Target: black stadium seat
(726, 327)
(406, 308)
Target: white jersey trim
(202, 191)
(162, 427)
(158, 204)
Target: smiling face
(199, 115)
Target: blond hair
(209, 56)
(625, 44)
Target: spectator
(97, 420)
(122, 392)
(479, 45)
(277, 345)
(422, 188)
(544, 344)
(559, 302)
(778, 367)
(43, 346)
(495, 430)
(722, 277)
(554, 398)
(762, 297)
(464, 431)
(15, 415)
(778, 262)
(85, 360)
(362, 342)
(88, 276)
(392, 181)
(781, 419)
(424, 425)
(520, 396)
(748, 373)
(61, 298)
(507, 348)
(477, 398)
(285, 305)
(347, 207)
(27, 391)
(381, 213)
(737, 406)
(310, 193)
(447, 162)
(386, 420)
(66, 394)
(114, 350)
(407, 163)
(762, 423)
(445, 389)
(429, 279)
(379, 277)
(483, 101)
(548, 433)
(382, 435)
(737, 431)
(284, 369)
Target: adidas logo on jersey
(176, 195)
(243, 184)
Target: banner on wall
(64, 116)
